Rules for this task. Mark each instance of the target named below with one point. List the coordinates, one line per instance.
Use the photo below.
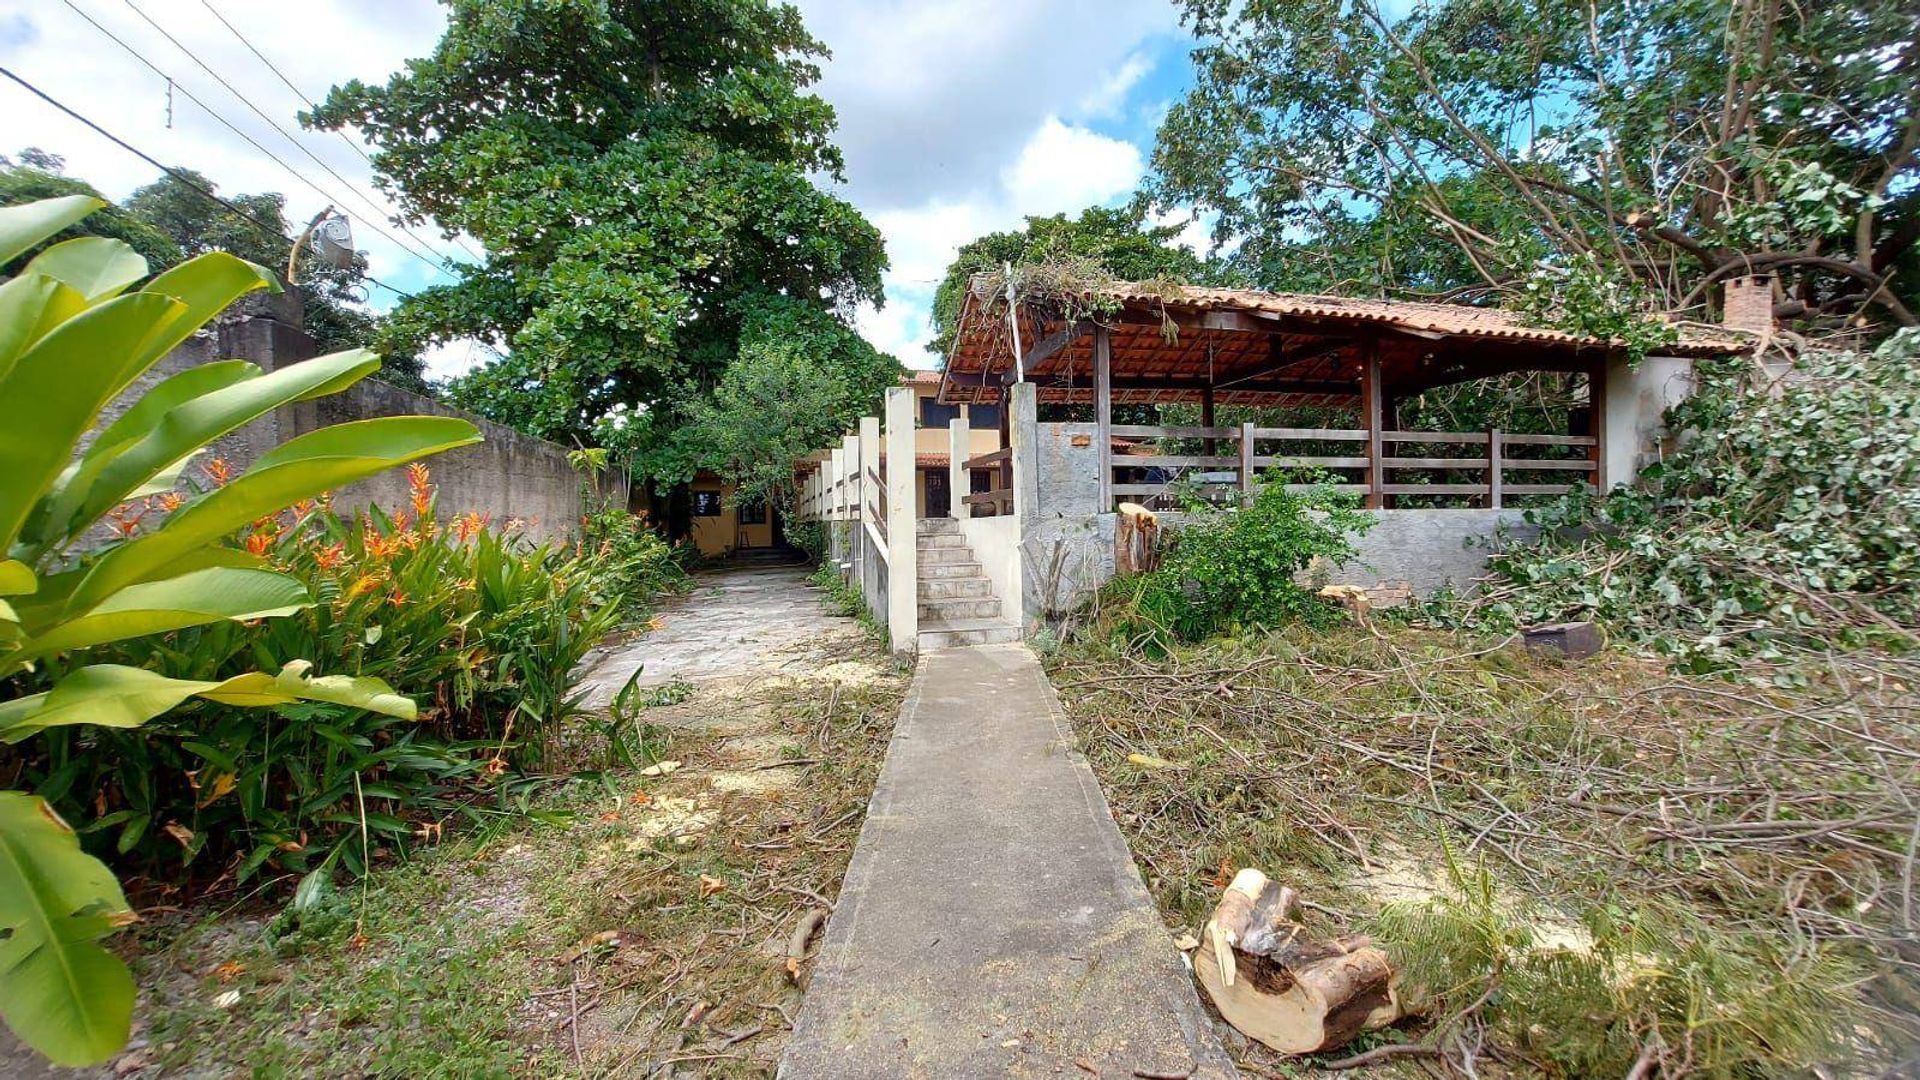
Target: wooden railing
(997, 500)
(1374, 472)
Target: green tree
(1119, 241)
(1474, 144)
(34, 175)
(641, 176)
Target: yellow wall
(938, 440)
(718, 535)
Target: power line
(305, 97)
(283, 133)
(188, 182)
(251, 141)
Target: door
(939, 499)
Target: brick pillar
(1749, 304)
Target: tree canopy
(641, 176)
(1116, 241)
(1634, 150)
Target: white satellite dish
(333, 242)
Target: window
(983, 416)
(982, 480)
(753, 512)
(706, 504)
(934, 414)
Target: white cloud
(1108, 99)
(1060, 169)
(452, 359)
(1066, 168)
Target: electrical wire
(378, 210)
(186, 181)
(251, 141)
(303, 96)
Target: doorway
(939, 497)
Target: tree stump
(1273, 984)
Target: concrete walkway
(992, 923)
(735, 621)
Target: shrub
(1238, 568)
(74, 335)
(1787, 515)
(491, 628)
(632, 564)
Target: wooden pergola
(1214, 347)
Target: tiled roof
(930, 461)
(920, 378)
(1418, 316)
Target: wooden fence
(1475, 466)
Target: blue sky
(957, 117)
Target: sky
(957, 117)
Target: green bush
(1238, 567)
(631, 562)
(490, 627)
(76, 334)
(1786, 515)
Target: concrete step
(956, 588)
(947, 635)
(966, 607)
(943, 571)
(946, 555)
(929, 541)
(938, 526)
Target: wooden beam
(1370, 418)
(1494, 451)
(1597, 420)
(1103, 415)
(1206, 415)
(1279, 361)
(1045, 350)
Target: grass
(650, 924)
(1773, 817)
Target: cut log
(1273, 984)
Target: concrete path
(733, 622)
(992, 923)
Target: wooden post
(868, 462)
(1246, 458)
(1103, 414)
(903, 573)
(1494, 450)
(1206, 418)
(1370, 416)
(959, 444)
(1597, 422)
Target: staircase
(957, 604)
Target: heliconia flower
(169, 501)
(361, 585)
(260, 542)
(330, 557)
(218, 471)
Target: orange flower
(361, 584)
(418, 483)
(170, 501)
(330, 556)
(218, 471)
(259, 543)
(396, 596)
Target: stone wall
(509, 475)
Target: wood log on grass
(1295, 995)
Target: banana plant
(75, 334)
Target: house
(986, 423)
(1443, 498)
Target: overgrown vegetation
(1235, 569)
(1741, 858)
(486, 627)
(75, 334)
(1785, 515)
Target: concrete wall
(996, 544)
(1633, 429)
(1068, 546)
(509, 475)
